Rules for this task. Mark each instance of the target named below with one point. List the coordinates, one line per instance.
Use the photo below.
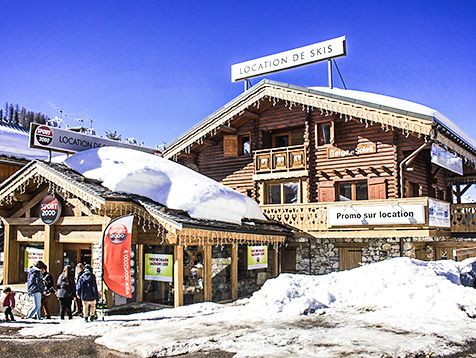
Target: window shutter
(377, 188)
(230, 145)
(327, 191)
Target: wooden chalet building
(209, 257)
(311, 156)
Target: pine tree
(1, 115)
(113, 135)
(10, 113)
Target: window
(245, 145)
(357, 190)
(283, 193)
(325, 133)
(281, 140)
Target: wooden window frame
(319, 136)
(353, 190)
(240, 144)
(230, 146)
(281, 134)
(281, 184)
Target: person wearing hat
(87, 291)
(35, 288)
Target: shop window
(156, 289)
(281, 140)
(245, 144)
(325, 133)
(357, 190)
(283, 193)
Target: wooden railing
(280, 159)
(314, 216)
(306, 217)
(463, 218)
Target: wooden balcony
(415, 217)
(463, 218)
(281, 160)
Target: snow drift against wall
(166, 182)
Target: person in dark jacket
(48, 284)
(87, 291)
(35, 288)
(65, 291)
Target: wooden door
(349, 257)
(288, 259)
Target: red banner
(116, 246)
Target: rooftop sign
(66, 141)
(288, 59)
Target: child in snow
(9, 304)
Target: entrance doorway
(76, 253)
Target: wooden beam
(140, 272)
(234, 272)
(63, 221)
(11, 259)
(22, 197)
(53, 253)
(27, 206)
(178, 275)
(276, 261)
(207, 270)
(227, 130)
(251, 115)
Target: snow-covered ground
(393, 308)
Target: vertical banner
(116, 246)
(257, 257)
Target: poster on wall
(438, 213)
(159, 267)
(257, 257)
(32, 255)
(445, 159)
(116, 247)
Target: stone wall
(221, 263)
(318, 256)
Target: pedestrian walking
(48, 284)
(78, 307)
(87, 291)
(35, 288)
(9, 304)
(65, 291)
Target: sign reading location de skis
(116, 245)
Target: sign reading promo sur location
(376, 214)
(306, 55)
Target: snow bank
(14, 144)
(166, 182)
(399, 285)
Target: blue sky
(152, 69)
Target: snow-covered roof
(14, 144)
(400, 104)
(165, 182)
(408, 116)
